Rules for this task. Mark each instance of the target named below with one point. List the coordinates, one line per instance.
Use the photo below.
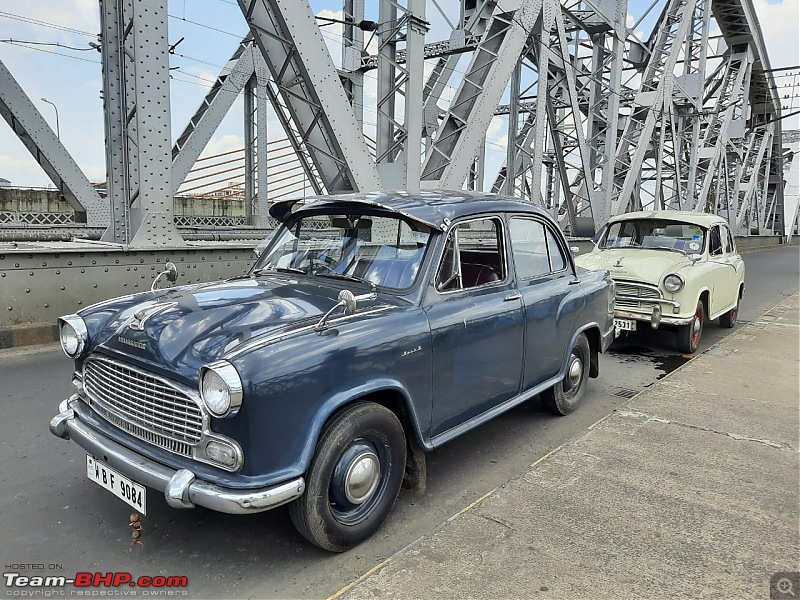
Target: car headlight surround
(73, 335)
(221, 389)
(673, 283)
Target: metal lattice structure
(598, 121)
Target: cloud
(224, 143)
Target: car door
(720, 274)
(550, 293)
(734, 260)
(475, 315)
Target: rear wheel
(565, 396)
(688, 336)
(354, 478)
(728, 320)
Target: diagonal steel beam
(309, 86)
(197, 133)
(459, 136)
(41, 141)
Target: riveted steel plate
(39, 285)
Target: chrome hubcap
(362, 477)
(575, 371)
(696, 325)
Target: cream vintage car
(672, 268)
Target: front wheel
(689, 335)
(354, 478)
(563, 397)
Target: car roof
(434, 208)
(685, 216)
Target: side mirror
(348, 301)
(172, 272)
(695, 257)
(575, 249)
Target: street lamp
(58, 129)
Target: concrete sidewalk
(692, 490)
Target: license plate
(119, 485)
(625, 324)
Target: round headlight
(673, 283)
(221, 389)
(73, 335)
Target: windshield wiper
(335, 275)
(280, 270)
(669, 249)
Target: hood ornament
(619, 261)
(140, 316)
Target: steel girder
(137, 119)
(651, 105)
(311, 92)
(399, 143)
(669, 135)
(46, 148)
(448, 161)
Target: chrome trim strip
(649, 300)
(181, 487)
(258, 343)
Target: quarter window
(730, 248)
(473, 256)
(557, 260)
(715, 244)
(535, 247)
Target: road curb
(28, 335)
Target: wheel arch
(705, 298)
(390, 394)
(593, 335)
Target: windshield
(384, 250)
(655, 234)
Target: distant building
(4, 182)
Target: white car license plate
(119, 485)
(625, 324)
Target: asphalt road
(51, 514)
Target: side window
(529, 245)
(557, 260)
(730, 248)
(473, 256)
(715, 243)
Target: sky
(69, 75)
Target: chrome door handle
(512, 297)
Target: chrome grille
(636, 291)
(143, 405)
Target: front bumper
(664, 320)
(181, 488)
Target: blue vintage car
(371, 329)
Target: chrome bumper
(665, 320)
(181, 488)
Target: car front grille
(632, 291)
(143, 405)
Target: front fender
(345, 397)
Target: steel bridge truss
(597, 121)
